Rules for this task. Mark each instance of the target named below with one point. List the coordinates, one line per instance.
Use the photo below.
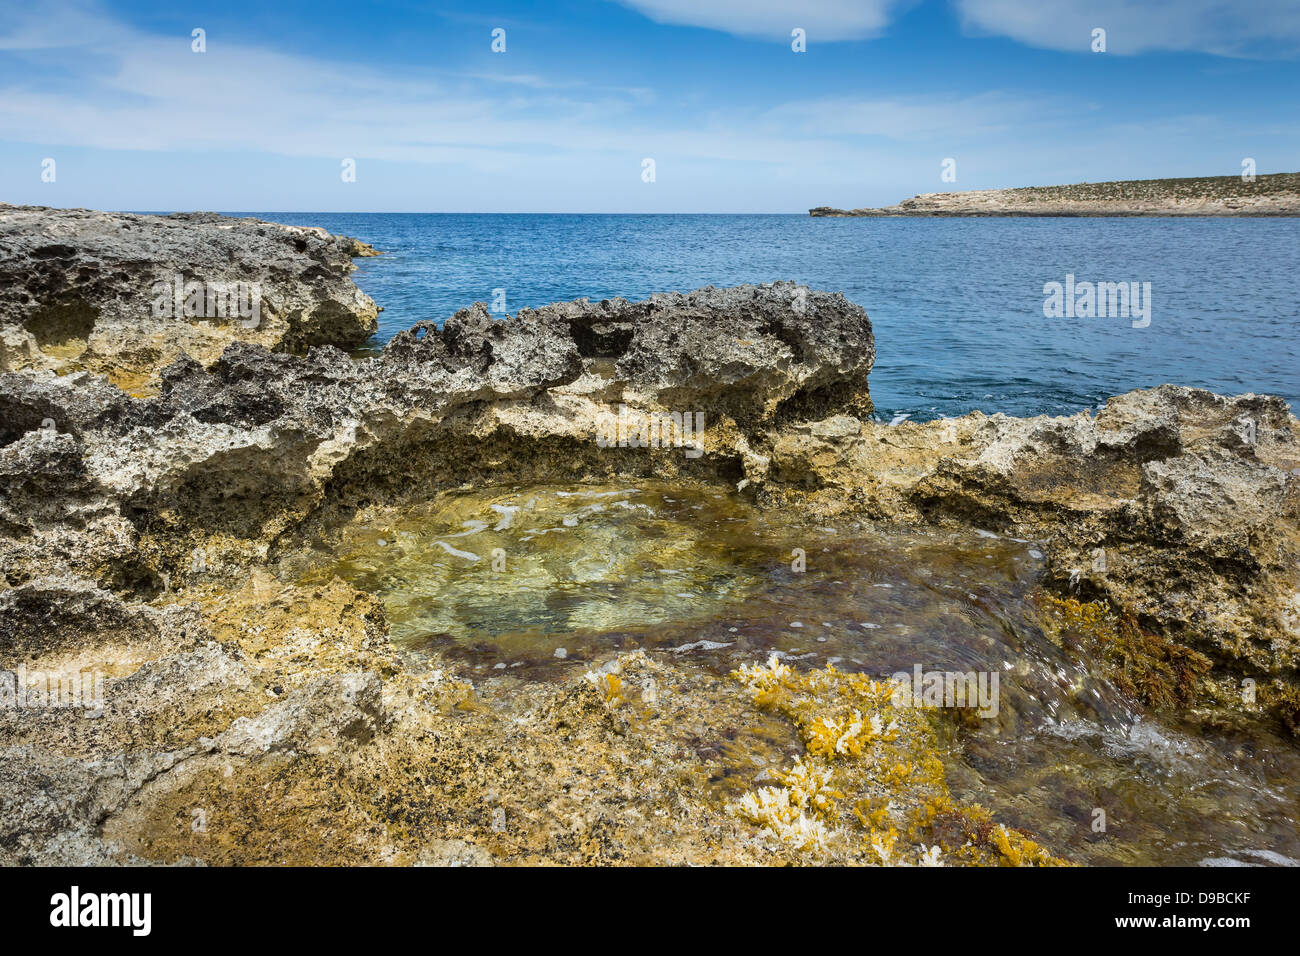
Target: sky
(110, 105)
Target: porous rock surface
(78, 289)
(250, 720)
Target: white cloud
(537, 140)
(58, 24)
(1222, 27)
(826, 21)
(142, 91)
(128, 89)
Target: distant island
(1277, 194)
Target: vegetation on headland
(1192, 187)
(1275, 194)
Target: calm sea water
(957, 304)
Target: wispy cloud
(134, 90)
(144, 91)
(1220, 27)
(542, 133)
(826, 21)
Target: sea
(959, 307)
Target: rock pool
(537, 580)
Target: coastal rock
(1277, 194)
(249, 720)
(1175, 506)
(760, 350)
(108, 292)
(254, 444)
(1190, 496)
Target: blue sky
(586, 90)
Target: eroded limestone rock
(107, 292)
(136, 534)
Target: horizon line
(442, 212)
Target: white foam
(507, 513)
(469, 556)
(701, 646)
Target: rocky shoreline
(247, 718)
(1277, 194)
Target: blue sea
(956, 304)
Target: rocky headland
(1276, 194)
(248, 715)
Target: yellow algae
(776, 810)
(871, 786)
(609, 684)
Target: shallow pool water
(531, 581)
